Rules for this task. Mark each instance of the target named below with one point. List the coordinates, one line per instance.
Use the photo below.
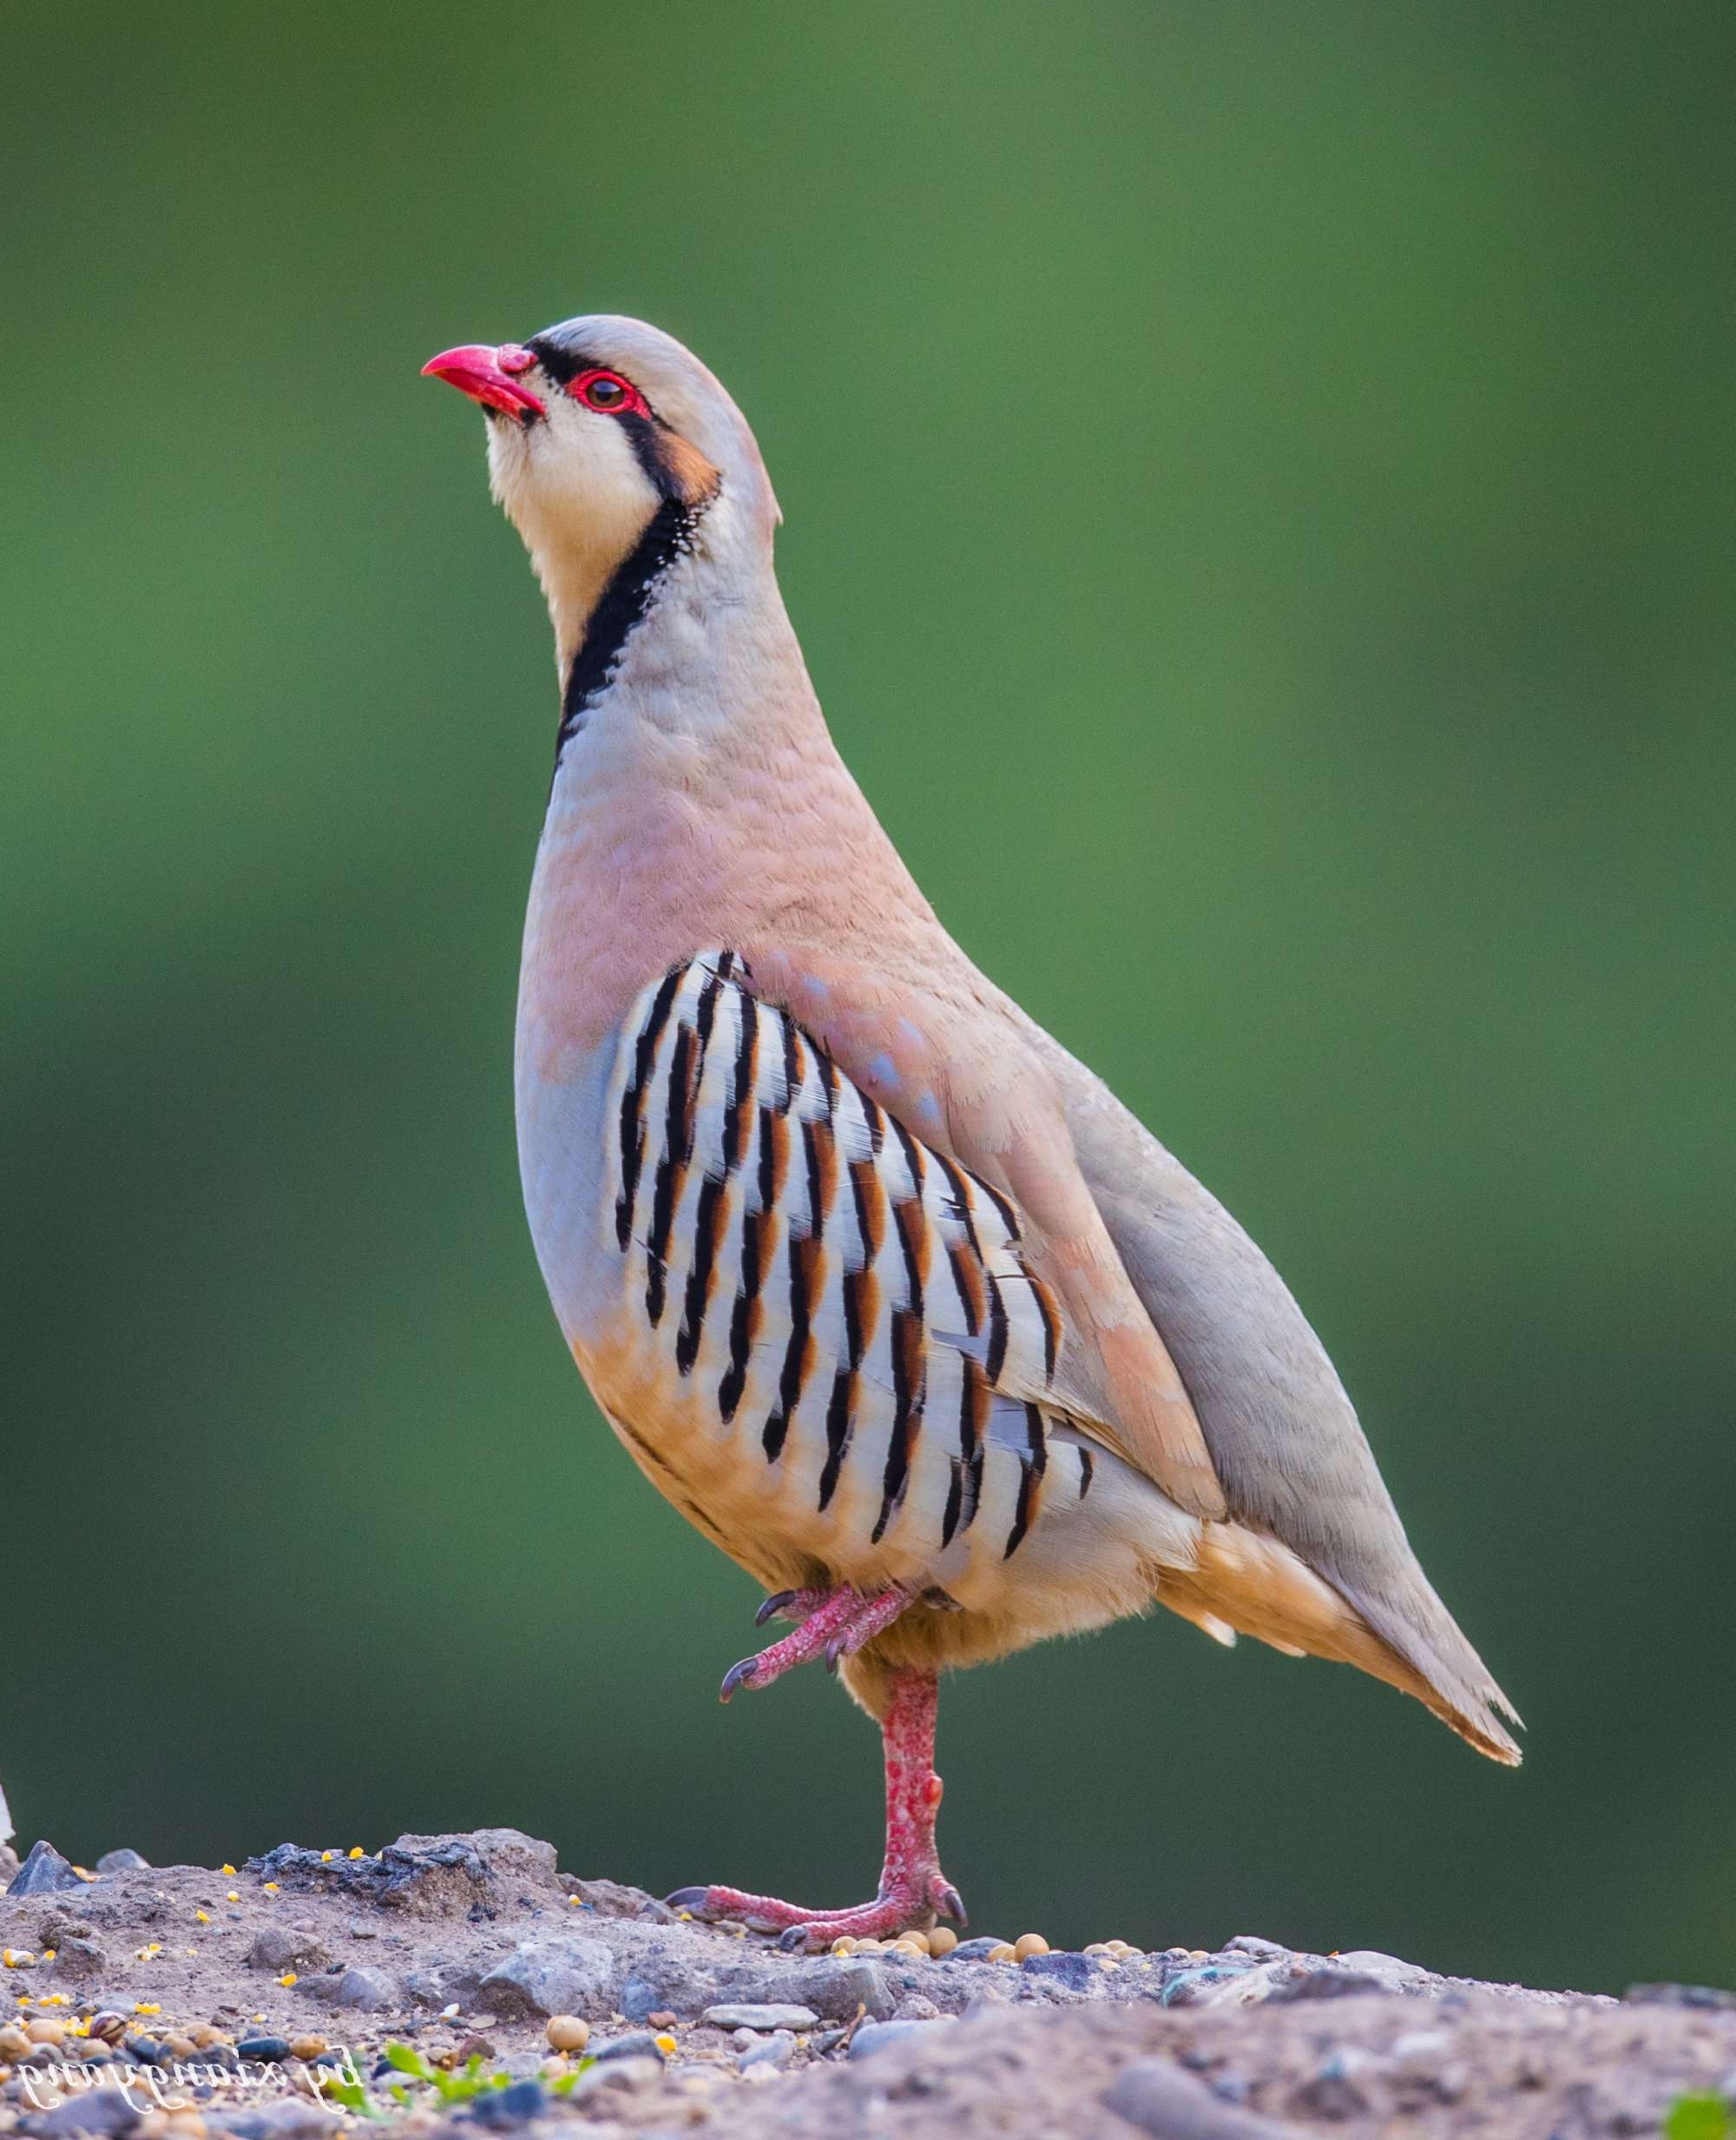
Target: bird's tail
(1247, 1580)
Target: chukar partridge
(889, 1295)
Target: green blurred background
(1257, 491)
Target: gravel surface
(192, 2002)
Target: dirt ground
(189, 2001)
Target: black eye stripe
(563, 366)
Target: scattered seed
(358, 1852)
(271, 1887)
(231, 1896)
(141, 2006)
(288, 1977)
(228, 1871)
(565, 2032)
(666, 2044)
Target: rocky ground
(422, 1990)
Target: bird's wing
(934, 1052)
(1283, 1435)
(793, 1261)
(1184, 1350)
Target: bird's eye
(609, 393)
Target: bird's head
(606, 435)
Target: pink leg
(832, 1624)
(913, 1890)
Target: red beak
(475, 370)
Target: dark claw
(688, 1898)
(738, 1676)
(795, 1940)
(773, 1605)
(834, 1650)
(953, 1903)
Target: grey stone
(43, 1872)
(775, 2051)
(769, 2017)
(627, 2074)
(1076, 1972)
(287, 1947)
(368, 1991)
(836, 1986)
(446, 1985)
(122, 1861)
(423, 1875)
(1158, 2098)
(975, 1949)
(1385, 1969)
(99, 2110)
(874, 2036)
(1261, 1950)
(638, 2000)
(914, 2007)
(1702, 1995)
(501, 2109)
(79, 1957)
(636, 2043)
(549, 1977)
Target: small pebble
(1003, 1953)
(565, 2032)
(43, 2031)
(942, 1940)
(13, 2042)
(179, 2046)
(977, 1950)
(306, 2047)
(122, 1861)
(761, 2017)
(269, 2047)
(1027, 1944)
(772, 2051)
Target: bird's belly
(1022, 1557)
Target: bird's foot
(833, 1625)
(909, 1901)
(793, 1605)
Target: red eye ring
(607, 393)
